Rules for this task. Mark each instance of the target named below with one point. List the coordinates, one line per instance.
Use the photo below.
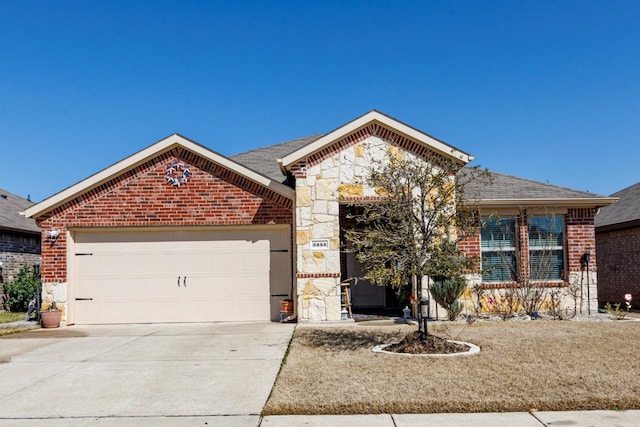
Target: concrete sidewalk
(514, 419)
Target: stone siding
(335, 175)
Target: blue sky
(545, 90)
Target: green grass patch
(8, 317)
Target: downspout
(294, 246)
(294, 295)
(292, 291)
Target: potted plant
(50, 315)
(286, 306)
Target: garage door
(220, 274)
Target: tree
(446, 267)
(446, 261)
(411, 230)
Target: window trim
(513, 250)
(562, 247)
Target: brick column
(581, 238)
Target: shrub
(22, 290)
(615, 309)
(447, 292)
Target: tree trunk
(422, 324)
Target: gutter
(590, 202)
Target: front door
(363, 294)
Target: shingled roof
(624, 214)
(504, 190)
(265, 160)
(10, 219)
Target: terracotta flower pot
(286, 306)
(50, 319)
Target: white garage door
(202, 275)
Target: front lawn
(522, 366)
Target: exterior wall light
(53, 235)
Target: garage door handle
(184, 281)
(178, 281)
(84, 299)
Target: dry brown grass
(522, 366)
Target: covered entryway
(178, 275)
(363, 293)
(365, 297)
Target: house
(180, 233)
(19, 236)
(618, 246)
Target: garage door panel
(178, 276)
(251, 286)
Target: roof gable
(373, 118)
(160, 147)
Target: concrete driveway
(160, 374)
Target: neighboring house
(618, 245)
(179, 233)
(19, 236)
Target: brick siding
(142, 197)
(580, 237)
(470, 246)
(618, 265)
(16, 250)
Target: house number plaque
(320, 244)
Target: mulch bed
(420, 343)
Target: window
(498, 245)
(546, 248)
